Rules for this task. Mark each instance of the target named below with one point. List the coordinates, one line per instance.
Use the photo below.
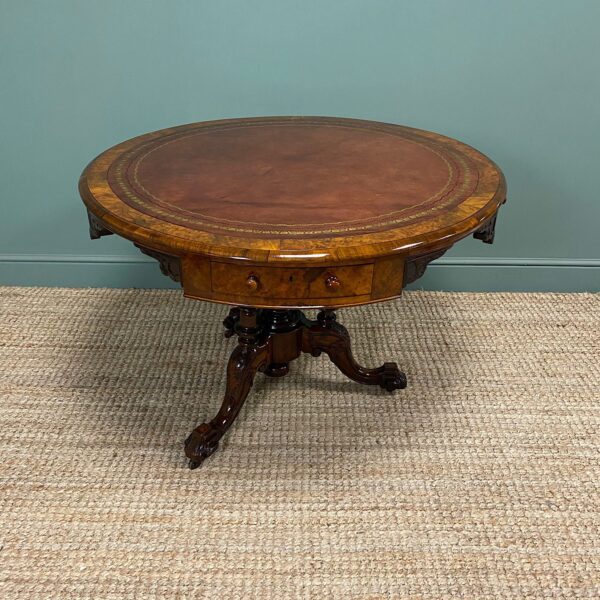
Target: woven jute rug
(480, 480)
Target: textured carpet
(480, 480)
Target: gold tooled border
(127, 160)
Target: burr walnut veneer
(271, 215)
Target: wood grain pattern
(450, 223)
(293, 211)
(281, 282)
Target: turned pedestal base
(268, 340)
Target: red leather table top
(292, 178)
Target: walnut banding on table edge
(414, 266)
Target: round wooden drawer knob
(332, 283)
(252, 283)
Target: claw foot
(200, 444)
(392, 378)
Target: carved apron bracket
(487, 231)
(415, 265)
(97, 229)
(169, 265)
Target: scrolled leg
(248, 357)
(326, 335)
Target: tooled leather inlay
(292, 179)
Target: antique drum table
(272, 215)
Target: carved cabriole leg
(251, 355)
(326, 335)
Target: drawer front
(289, 283)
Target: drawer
(288, 283)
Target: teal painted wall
(518, 79)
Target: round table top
(276, 188)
